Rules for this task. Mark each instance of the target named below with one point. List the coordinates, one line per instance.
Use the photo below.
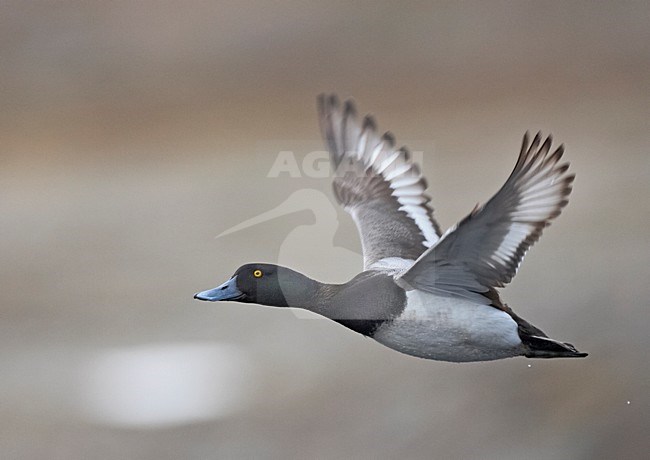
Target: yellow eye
(257, 273)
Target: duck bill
(226, 291)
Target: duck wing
(377, 184)
(484, 250)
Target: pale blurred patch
(164, 385)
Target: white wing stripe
(398, 171)
(487, 247)
(407, 184)
(387, 162)
(375, 153)
(405, 181)
(357, 148)
(362, 144)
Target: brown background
(132, 133)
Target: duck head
(264, 284)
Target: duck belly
(450, 329)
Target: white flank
(449, 329)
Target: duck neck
(299, 291)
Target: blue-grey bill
(226, 291)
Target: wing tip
(349, 108)
(369, 123)
(533, 153)
(389, 138)
(327, 99)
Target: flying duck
(422, 292)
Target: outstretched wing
(377, 184)
(485, 249)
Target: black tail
(537, 343)
(543, 347)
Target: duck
(421, 292)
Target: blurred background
(133, 133)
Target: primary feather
(378, 184)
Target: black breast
(366, 302)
